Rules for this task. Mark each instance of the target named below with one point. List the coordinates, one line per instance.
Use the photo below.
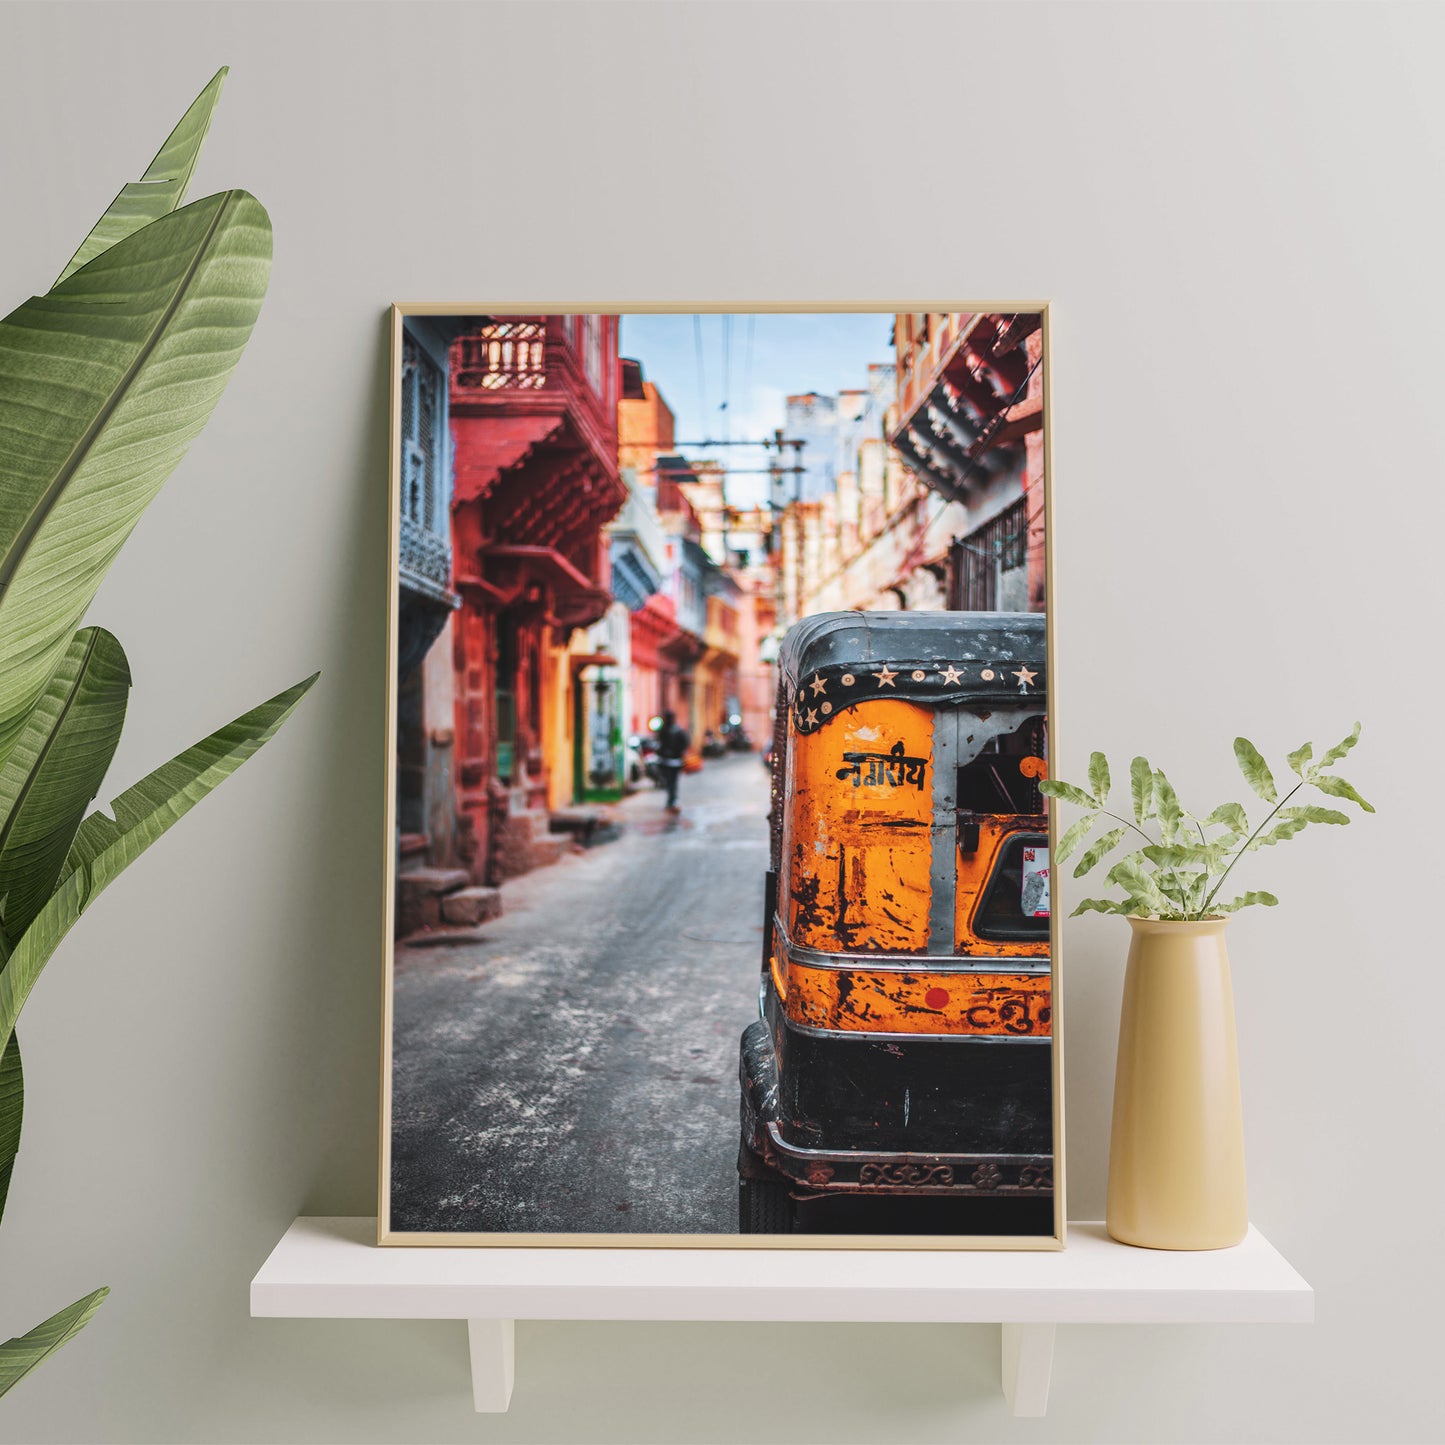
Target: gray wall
(1237, 213)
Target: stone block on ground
(435, 881)
(470, 906)
(419, 892)
(546, 851)
(514, 837)
(580, 822)
(525, 842)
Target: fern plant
(104, 382)
(1179, 873)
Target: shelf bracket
(493, 1348)
(1027, 1357)
(1028, 1362)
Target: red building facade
(534, 432)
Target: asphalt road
(576, 1071)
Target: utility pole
(775, 538)
(722, 500)
(776, 472)
(799, 559)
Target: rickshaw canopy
(833, 660)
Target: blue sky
(825, 352)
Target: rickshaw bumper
(880, 1171)
(838, 1115)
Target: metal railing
(503, 356)
(976, 561)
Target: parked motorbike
(632, 761)
(734, 738)
(645, 747)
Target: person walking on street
(672, 744)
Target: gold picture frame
(386, 1236)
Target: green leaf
(1315, 814)
(34, 950)
(1068, 793)
(1340, 749)
(1141, 788)
(1339, 788)
(1196, 885)
(1280, 833)
(1102, 846)
(163, 186)
(1129, 875)
(12, 1110)
(105, 846)
(104, 383)
(1255, 769)
(1098, 905)
(1166, 801)
(1231, 815)
(1179, 855)
(1099, 776)
(56, 768)
(19, 1356)
(1173, 887)
(1300, 757)
(1248, 900)
(1073, 836)
(1184, 890)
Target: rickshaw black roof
(831, 639)
(842, 658)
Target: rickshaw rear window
(995, 782)
(1016, 891)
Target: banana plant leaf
(104, 383)
(19, 1356)
(55, 769)
(163, 186)
(105, 846)
(12, 1110)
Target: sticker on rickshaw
(1035, 900)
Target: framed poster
(717, 868)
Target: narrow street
(577, 1070)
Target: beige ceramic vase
(1176, 1159)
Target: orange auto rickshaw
(903, 1045)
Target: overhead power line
(767, 442)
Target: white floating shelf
(331, 1268)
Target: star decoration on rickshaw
(819, 683)
(1025, 677)
(951, 675)
(810, 718)
(885, 677)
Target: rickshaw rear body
(904, 1038)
